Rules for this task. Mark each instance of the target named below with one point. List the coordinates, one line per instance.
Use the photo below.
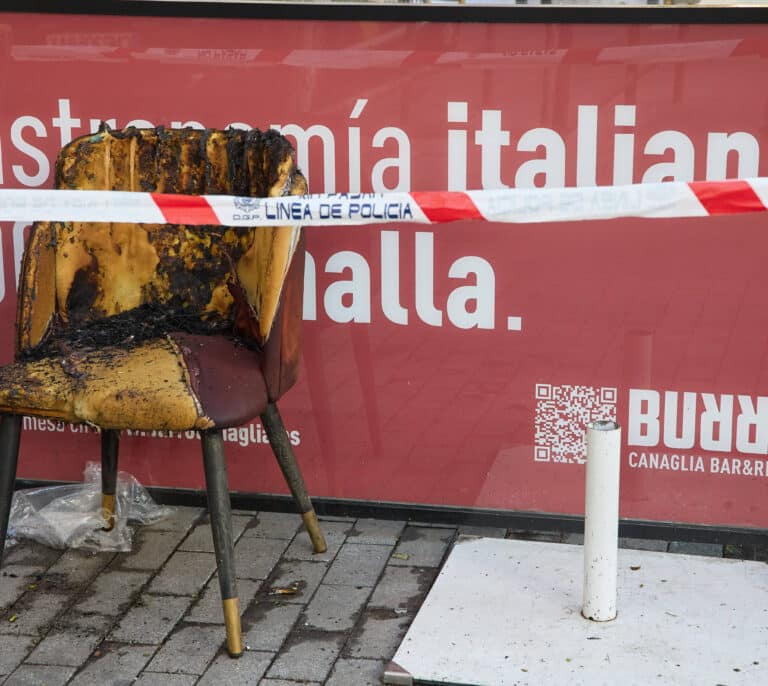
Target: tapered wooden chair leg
(110, 446)
(221, 528)
(10, 434)
(281, 446)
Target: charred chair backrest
(107, 282)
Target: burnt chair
(163, 327)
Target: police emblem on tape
(247, 204)
(246, 208)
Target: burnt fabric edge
(224, 378)
(36, 304)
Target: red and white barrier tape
(518, 205)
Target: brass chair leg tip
(108, 511)
(232, 627)
(315, 533)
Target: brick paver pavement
(152, 617)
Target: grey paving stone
(32, 614)
(64, 648)
(643, 544)
(294, 581)
(208, 609)
(284, 682)
(247, 670)
(113, 591)
(274, 525)
(30, 554)
(79, 567)
(14, 582)
(422, 547)
(335, 533)
(189, 650)
(402, 588)
(378, 634)
(482, 531)
(163, 679)
(150, 619)
(532, 535)
(89, 622)
(39, 675)
(181, 519)
(375, 531)
(184, 574)
(689, 548)
(358, 564)
(256, 557)
(307, 657)
(151, 548)
(432, 525)
(200, 539)
(116, 665)
(267, 623)
(573, 538)
(14, 650)
(348, 672)
(335, 608)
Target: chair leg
(221, 528)
(110, 446)
(281, 446)
(10, 434)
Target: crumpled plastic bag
(69, 516)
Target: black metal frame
(454, 516)
(462, 516)
(649, 14)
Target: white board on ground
(508, 613)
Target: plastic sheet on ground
(70, 515)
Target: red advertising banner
(457, 364)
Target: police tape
(511, 205)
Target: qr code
(561, 418)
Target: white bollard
(601, 521)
